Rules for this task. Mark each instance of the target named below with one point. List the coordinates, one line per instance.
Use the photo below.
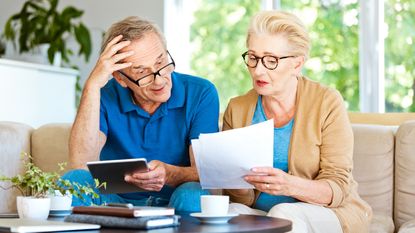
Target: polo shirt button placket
(146, 136)
(150, 134)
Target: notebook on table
(137, 211)
(31, 225)
(150, 222)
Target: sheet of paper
(196, 150)
(224, 158)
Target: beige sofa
(384, 159)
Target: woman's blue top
(282, 136)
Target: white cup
(214, 205)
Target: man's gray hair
(132, 28)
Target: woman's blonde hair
(281, 23)
(132, 28)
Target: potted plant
(37, 186)
(63, 190)
(2, 47)
(39, 22)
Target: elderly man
(147, 110)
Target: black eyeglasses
(150, 77)
(270, 62)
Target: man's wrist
(91, 86)
(176, 175)
(168, 178)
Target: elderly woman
(311, 180)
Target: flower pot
(60, 202)
(33, 208)
(38, 54)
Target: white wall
(98, 16)
(37, 94)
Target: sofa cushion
(381, 224)
(50, 146)
(373, 165)
(14, 139)
(405, 173)
(408, 227)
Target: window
(218, 34)
(363, 48)
(400, 56)
(334, 55)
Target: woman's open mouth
(261, 83)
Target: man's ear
(119, 78)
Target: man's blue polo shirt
(192, 108)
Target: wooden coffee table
(241, 223)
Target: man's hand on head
(110, 60)
(152, 180)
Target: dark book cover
(151, 222)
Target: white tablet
(113, 171)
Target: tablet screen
(113, 171)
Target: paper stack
(224, 158)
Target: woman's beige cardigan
(321, 148)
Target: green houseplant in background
(2, 47)
(39, 22)
(37, 187)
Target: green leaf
(8, 28)
(70, 13)
(36, 7)
(53, 5)
(51, 52)
(84, 39)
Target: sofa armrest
(404, 209)
(14, 139)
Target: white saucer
(59, 213)
(213, 219)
